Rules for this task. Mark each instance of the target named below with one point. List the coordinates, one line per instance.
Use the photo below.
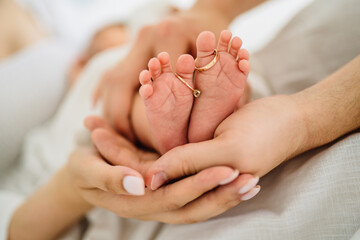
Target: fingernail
(231, 178)
(249, 185)
(134, 185)
(158, 180)
(252, 193)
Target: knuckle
(111, 185)
(145, 31)
(187, 165)
(171, 206)
(108, 184)
(172, 203)
(230, 204)
(189, 219)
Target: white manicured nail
(252, 193)
(231, 178)
(249, 185)
(134, 185)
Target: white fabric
(32, 84)
(261, 24)
(46, 148)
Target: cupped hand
(196, 198)
(176, 35)
(255, 139)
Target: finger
(178, 194)
(185, 160)
(119, 117)
(118, 151)
(94, 122)
(96, 173)
(212, 203)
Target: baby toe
(145, 77)
(243, 54)
(235, 46)
(244, 66)
(146, 91)
(164, 59)
(154, 68)
(224, 40)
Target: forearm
(331, 108)
(50, 211)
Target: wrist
(293, 124)
(69, 195)
(301, 121)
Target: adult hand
(254, 139)
(176, 35)
(192, 199)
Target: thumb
(184, 161)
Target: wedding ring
(196, 92)
(210, 65)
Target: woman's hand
(255, 139)
(188, 200)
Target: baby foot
(221, 86)
(168, 101)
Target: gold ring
(210, 65)
(196, 92)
